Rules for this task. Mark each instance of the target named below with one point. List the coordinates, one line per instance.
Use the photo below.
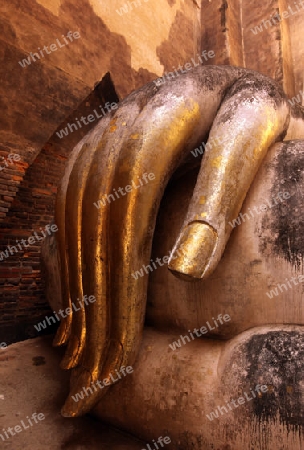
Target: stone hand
(151, 133)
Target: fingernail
(193, 252)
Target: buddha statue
(157, 202)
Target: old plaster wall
(246, 33)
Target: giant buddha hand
(110, 194)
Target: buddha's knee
(209, 394)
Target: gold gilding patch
(204, 214)
(113, 128)
(134, 136)
(202, 200)
(217, 162)
(258, 152)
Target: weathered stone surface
(170, 393)
(191, 382)
(31, 381)
(265, 250)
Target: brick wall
(22, 289)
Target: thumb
(247, 124)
